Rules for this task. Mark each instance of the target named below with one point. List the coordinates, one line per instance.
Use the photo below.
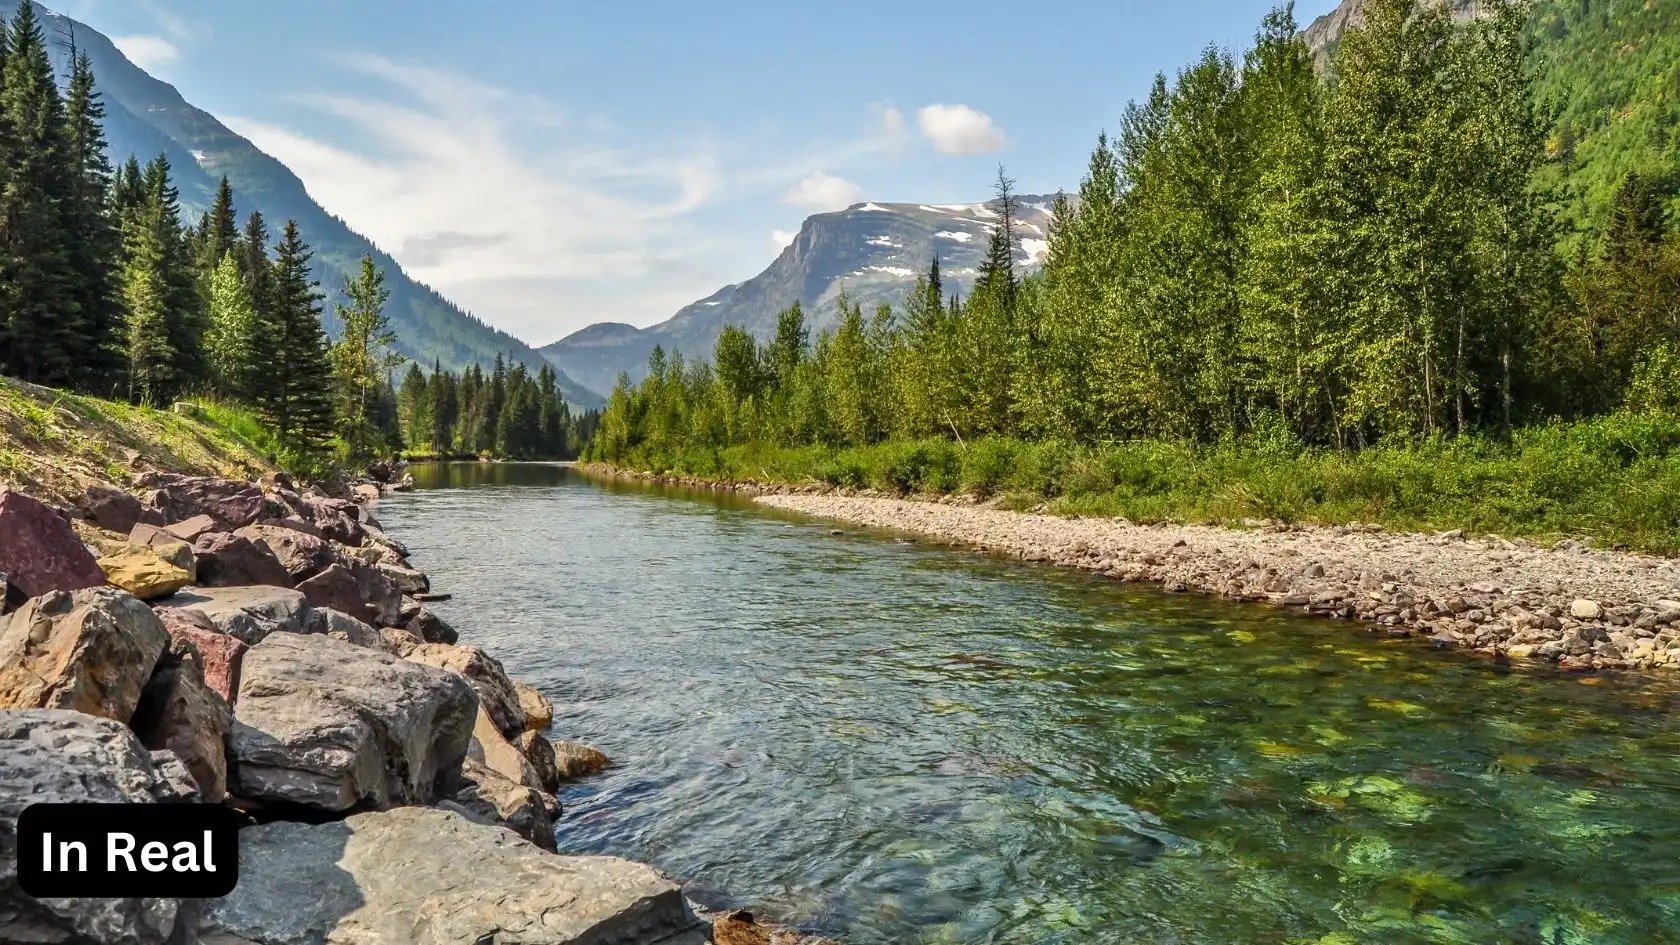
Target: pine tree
(45, 323)
(219, 231)
(232, 342)
(92, 239)
(363, 356)
(298, 400)
(444, 410)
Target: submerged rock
(91, 651)
(334, 726)
(53, 756)
(431, 876)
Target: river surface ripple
(893, 742)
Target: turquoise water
(893, 742)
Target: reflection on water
(899, 743)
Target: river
(894, 742)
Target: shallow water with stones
(893, 742)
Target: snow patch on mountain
(954, 235)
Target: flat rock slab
(56, 756)
(326, 724)
(248, 613)
(419, 876)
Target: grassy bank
(1613, 481)
(52, 442)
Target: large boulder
(418, 875)
(377, 536)
(181, 713)
(218, 655)
(90, 651)
(489, 798)
(53, 756)
(336, 588)
(429, 626)
(384, 601)
(248, 613)
(496, 693)
(190, 529)
(404, 578)
(333, 726)
(540, 754)
(539, 712)
(230, 503)
(114, 509)
(225, 559)
(342, 626)
(39, 551)
(491, 749)
(302, 555)
(143, 573)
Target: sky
(549, 164)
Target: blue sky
(554, 164)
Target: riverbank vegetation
(1279, 292)
(507, 413)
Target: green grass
(53, 442)
(1613, 481)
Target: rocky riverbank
(1579, 607)
(268, 647)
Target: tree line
(507, 413)
(1264, 250)
(105, 289)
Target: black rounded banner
(164, 851)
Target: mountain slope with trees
(1351, 282)
(870, 251)
(146, 117)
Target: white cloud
(147, 52)
(441, 171)
(781, 239)
(958, 129)
(821, 192)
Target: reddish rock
(218, 654)
(114, 509)
(384, 601)
(189, 530)
(227, 560)
(231, 503)
(39, 551)
(336, 588)
(180, 712)
(301, 554)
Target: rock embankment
(268, 647)
(1580, 607)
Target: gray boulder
(496, 693)
(417, 876)
(334, 726)
(406, 579)
(489, 798)
(248, 613)
(55, 756)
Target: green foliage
(231, 344)
(1280, 294)
(363, 358)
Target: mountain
(146, 117)
(874, 251)
(1323, 33)
(1607, 76)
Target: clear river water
(896, 742)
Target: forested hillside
(1266, 256)
(146, 117)
(106, 288)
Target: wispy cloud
(959, 129)
(821, 192)
(148, 52)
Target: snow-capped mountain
(872, 251)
